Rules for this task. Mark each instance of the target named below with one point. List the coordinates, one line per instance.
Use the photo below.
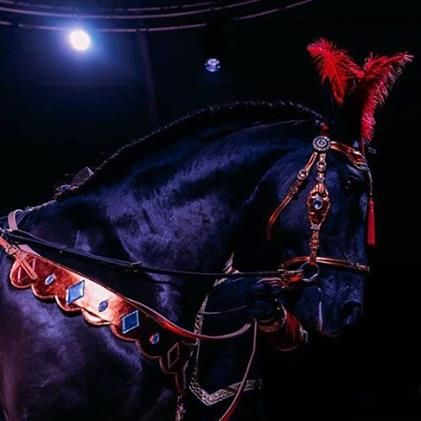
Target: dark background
(60, 111)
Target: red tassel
(371, 224)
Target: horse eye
(353, 185)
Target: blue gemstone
(75, 292)
(103, 305)
(318, 203)
(154, 339)
(130, 321)
(50, 279)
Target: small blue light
(80, 40)
(212, 64)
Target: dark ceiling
(61, 111)
(124, 16)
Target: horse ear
(335, 66)
(379, 75)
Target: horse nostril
(351, 312)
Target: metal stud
(50, 279)
(321, 143)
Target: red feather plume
(334, 65)
(380, 73)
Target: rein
(19, 237)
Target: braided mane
(243, 111)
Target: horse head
(320, 227)
(321, 195)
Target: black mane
(253, 111)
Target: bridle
(318, 205)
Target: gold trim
(220, 395)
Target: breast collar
(155, 336)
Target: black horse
(186, 197)
(189, 196)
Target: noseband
(318, 205)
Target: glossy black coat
(186, 197)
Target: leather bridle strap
(293, 190)
(186, 333)
(329, 261)
(356, 158)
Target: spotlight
(80, 40)
(212, 64)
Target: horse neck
(183, 214)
